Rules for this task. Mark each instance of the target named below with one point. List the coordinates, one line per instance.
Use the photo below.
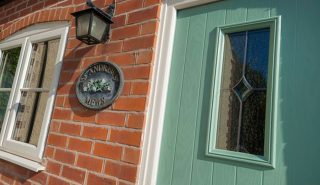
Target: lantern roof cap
(96, 11)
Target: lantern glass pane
(98, 27)
(83, 24)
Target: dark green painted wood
(183, 160)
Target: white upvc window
(30, 64)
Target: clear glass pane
(233, 59)
(83, 24)
(257, 58)
(41, 68)
(228, 121)
(98, 27)
(8, 67)
(31, 110)
(253, 123)
(4, 97)
(32, 105)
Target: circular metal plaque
(99, 85)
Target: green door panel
(182, 159)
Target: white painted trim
(26, 163)
(159, 87)
(11, 149)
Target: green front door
(289, 107)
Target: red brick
(84, 52)
(118, 21)
(54, 126)
(108, 151)
(139, 43)
(143, 15)
(130, 104)
(70, 129)
(6, 178)
(149, 28)
(40, 178)
(84, 115)
(151, 2)
(126, 137)
(49, 151)
(57, 140)
(112, 47)
(123, 59)
(126, 89)
(69, 76)
(59, 101)
(95, 180)
(62, 114)
(131, 155)
(137, 72)
(95, 133)
(140, 88)
(122, 171)
(80, 145)
(64, 156)
(50, 2)
(54, 181)
(72, 102)
(37, 6)
(128, 6)
(53, 167)
(111, 118)
(135, 121)
(73, 174)
(125, 183)
(125, 32)
(90, 163)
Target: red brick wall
(85, 146)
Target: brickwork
(85, 146)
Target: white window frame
(20, 153)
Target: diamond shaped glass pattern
(243, 89)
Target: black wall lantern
(93, 24)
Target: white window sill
(26, 163)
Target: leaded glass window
(243, 92)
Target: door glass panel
(242, 105)
(257, 58)
(33, 100)
(229, 121)
(233, 59)
(8, 67)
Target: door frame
(159, 88)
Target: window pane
(228, 121)
(242, 103)
(252, 126)
(8, 67)
(257, 58)
(31, 111)
(32, 105)
(4, 97)
(233, 59)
